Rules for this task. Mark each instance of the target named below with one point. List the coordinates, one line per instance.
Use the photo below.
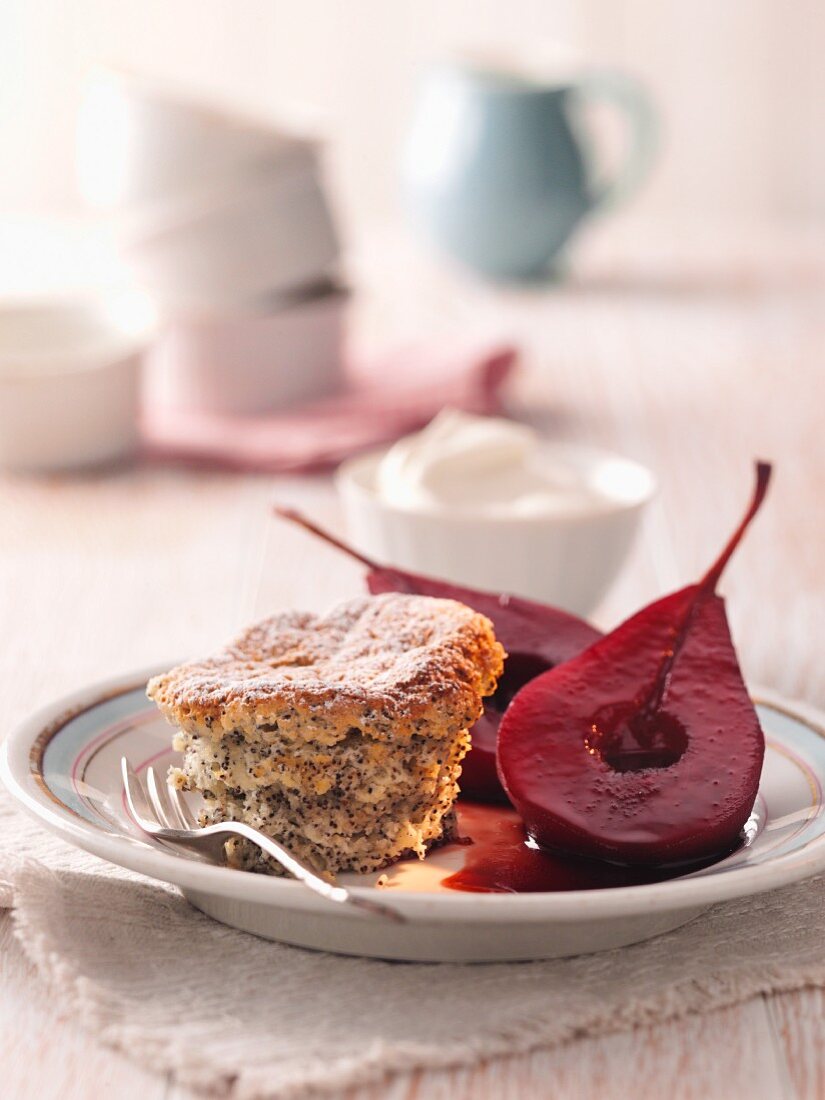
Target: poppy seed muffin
(340, 736)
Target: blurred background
(304, 227)
(740, 86)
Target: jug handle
(632, 100)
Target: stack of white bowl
(227, 226)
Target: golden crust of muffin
(392, 661)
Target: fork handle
(305, 875)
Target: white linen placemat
(224, 1011)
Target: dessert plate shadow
(63, 766)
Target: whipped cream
(479, 465)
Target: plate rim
(30, 792)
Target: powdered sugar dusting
(397, 653)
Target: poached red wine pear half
(640, 747)
(644, 748)
(535, 636)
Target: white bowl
(568, 560)
(138, 144)
(69, 381)
(209, 208)
(269, 233)
(250, 362)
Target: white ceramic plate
(62, 765)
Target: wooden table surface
(694, 352)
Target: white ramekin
(568, 560)
(69, 381)
(139, 144)
(270, 233)
(252, 361)
(207, 208)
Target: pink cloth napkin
(381, 401)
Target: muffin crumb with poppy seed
(341, 735)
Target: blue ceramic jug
(496, 171)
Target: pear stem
(705, 587)
(763, 477)
(295, 516)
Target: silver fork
(164, 815)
